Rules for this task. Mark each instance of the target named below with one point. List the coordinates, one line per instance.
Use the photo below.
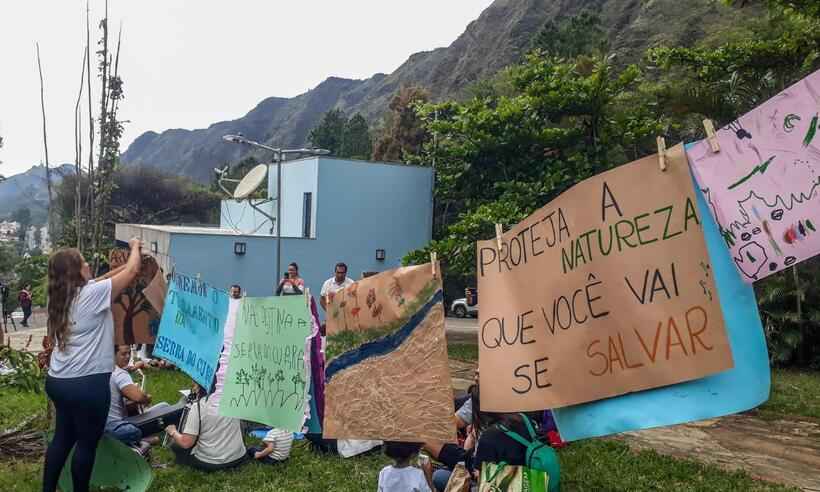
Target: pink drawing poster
(762, 186)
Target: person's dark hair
(340, 264)
(236, 286)
(65, 279)
(294, 265)
(401, 451)
(484, 420)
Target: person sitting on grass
(208, 441)
(122, 387)
(277, 444)
(402, 476)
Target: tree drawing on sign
(298, 390)
(396, 292)
(132, 301)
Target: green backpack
(539, 455)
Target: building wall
(298, 177)
(241, 217)
(212, 256)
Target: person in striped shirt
(277, 444)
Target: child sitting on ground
(402, 476)
(277, 444)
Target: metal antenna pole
(278, 216)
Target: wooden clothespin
(433, 259)
(711, 135)
(662, 153)
(498, 232)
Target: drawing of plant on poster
(763, 185)
(133, 314)
(376, 306)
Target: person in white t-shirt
(81, 332)
(334, 284)
(401, 476)
(208, 441)
(277, 447)
(122, 388)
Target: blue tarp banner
(741, 388)
(192, 328)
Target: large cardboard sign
(763, 186)
(268, 379)
(743, 387)
(192, 328)
(390, 377)
(606, 290)
(132, 310)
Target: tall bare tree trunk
(51, 229)
(78, 167)
(91, 206)
(103, 192)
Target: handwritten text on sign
(268, 377)
(604, 291)
(192, 328)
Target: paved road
(461, 330)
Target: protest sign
(763, 185)
(390, 378)
(192, 328)
(604, 291)
(268, 375)
(225, 354)
(133, 313)
(741, 388)
(116, 467)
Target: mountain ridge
(496, 39)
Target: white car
(460, 309)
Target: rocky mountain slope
(30, 190)
(499, 37)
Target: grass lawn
(588, 465)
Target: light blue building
(366, 214)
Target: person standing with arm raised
(81, 329)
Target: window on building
(307, 207)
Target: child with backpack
(402, 476)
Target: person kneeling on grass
(402, 476)
(208, 441)
(277, 444)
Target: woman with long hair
(81, 330)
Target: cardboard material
(268, 377)
(116, 467)
(192, 328)
(156, 291)
(604, 291)
(391, 380)
(763, 187)
(133, 313)
(739, 389)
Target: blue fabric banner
(741, 388)
(192, 328)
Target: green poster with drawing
(268, 374)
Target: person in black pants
(80, 328)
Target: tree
(580, 34)
(500, 158)
(146, 196)
(404, 132)
(357, 143)
(329, 133)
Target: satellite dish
(250, 182)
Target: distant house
(366, 214)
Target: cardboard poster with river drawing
(133, 313)
(604, 291)
(763, 186)
(388, 377)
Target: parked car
(461, 309)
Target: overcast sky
(190, 63)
